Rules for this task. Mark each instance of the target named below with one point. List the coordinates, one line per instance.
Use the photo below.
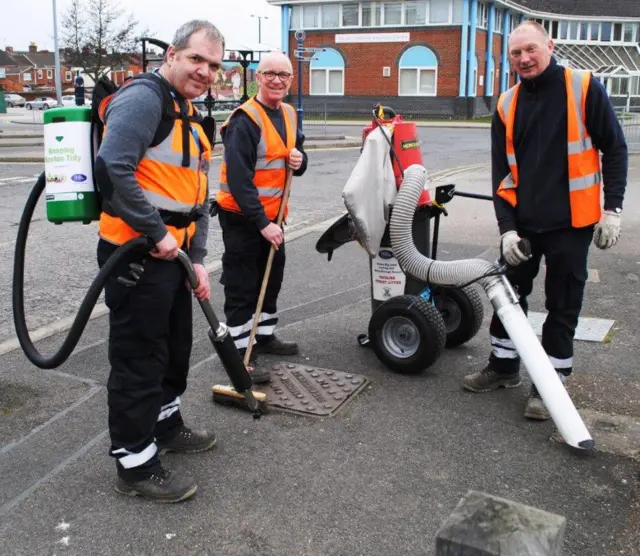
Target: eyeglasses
(271, 75)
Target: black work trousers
(150, 338)
(243, 266)
(565, 253)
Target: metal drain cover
(313, 391)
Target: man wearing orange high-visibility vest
(261, 140)
(152, 168)
(547, 135)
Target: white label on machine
(67, 159)
(387, 276)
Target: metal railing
(314, 119)
(630, 122)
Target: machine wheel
(462, 312)
(407, 334)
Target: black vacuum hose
(88, 303)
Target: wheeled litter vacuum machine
(72, 195)
(412, 322)
(401, 326)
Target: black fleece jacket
(241, 137)
(540, 143)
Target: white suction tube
(502, 297)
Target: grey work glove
(510, 250)
(607, 231)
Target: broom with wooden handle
(267, 270)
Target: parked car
(41, 103)
(11, 99)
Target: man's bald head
(530, 49)
(273, 61)
(275, 74)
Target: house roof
(41, 59)
(598, 8)
(5, 59)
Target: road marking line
(92, 392)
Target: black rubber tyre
(462, 312)
(407, 334)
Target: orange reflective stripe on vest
(272, 153)
(166, 184)
(585, 175)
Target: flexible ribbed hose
(441, 273)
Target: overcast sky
(19, 27)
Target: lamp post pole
(260, 18)
(57, 55)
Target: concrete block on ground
(485, 525)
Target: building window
(415, 12)
(67, 76)
(371, 14)
(350, 15)
(458, 8)
(330, 15)
(439, 11)
(497, 26)
(418, 75)
(392, 13)
(629, 32)
(296, 17)
(310, 17)
(39, 74)
(49, 74)
(483, 16)
(327, 73)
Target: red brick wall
(364, 62)
(497, 56)
(481, 55)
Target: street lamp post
(57, 55)
(260, 18)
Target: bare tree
(98, 36)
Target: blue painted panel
(418, 56)
(330, 58)
(285, 21)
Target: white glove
(510, 250)
(607, 231)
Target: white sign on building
(371, 37)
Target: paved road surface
(378, 479)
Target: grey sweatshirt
(132, 119)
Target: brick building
(32, 69)
(448, 58)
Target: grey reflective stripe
(576, 85)
(262, 191)
(508, 99)
(585, 182)
(508, 182)
(254, 112)
(261, 151)
(511, 158)
(164, 154)
(264, 164)
(577, 147)
(291, 113)
(162, 202)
